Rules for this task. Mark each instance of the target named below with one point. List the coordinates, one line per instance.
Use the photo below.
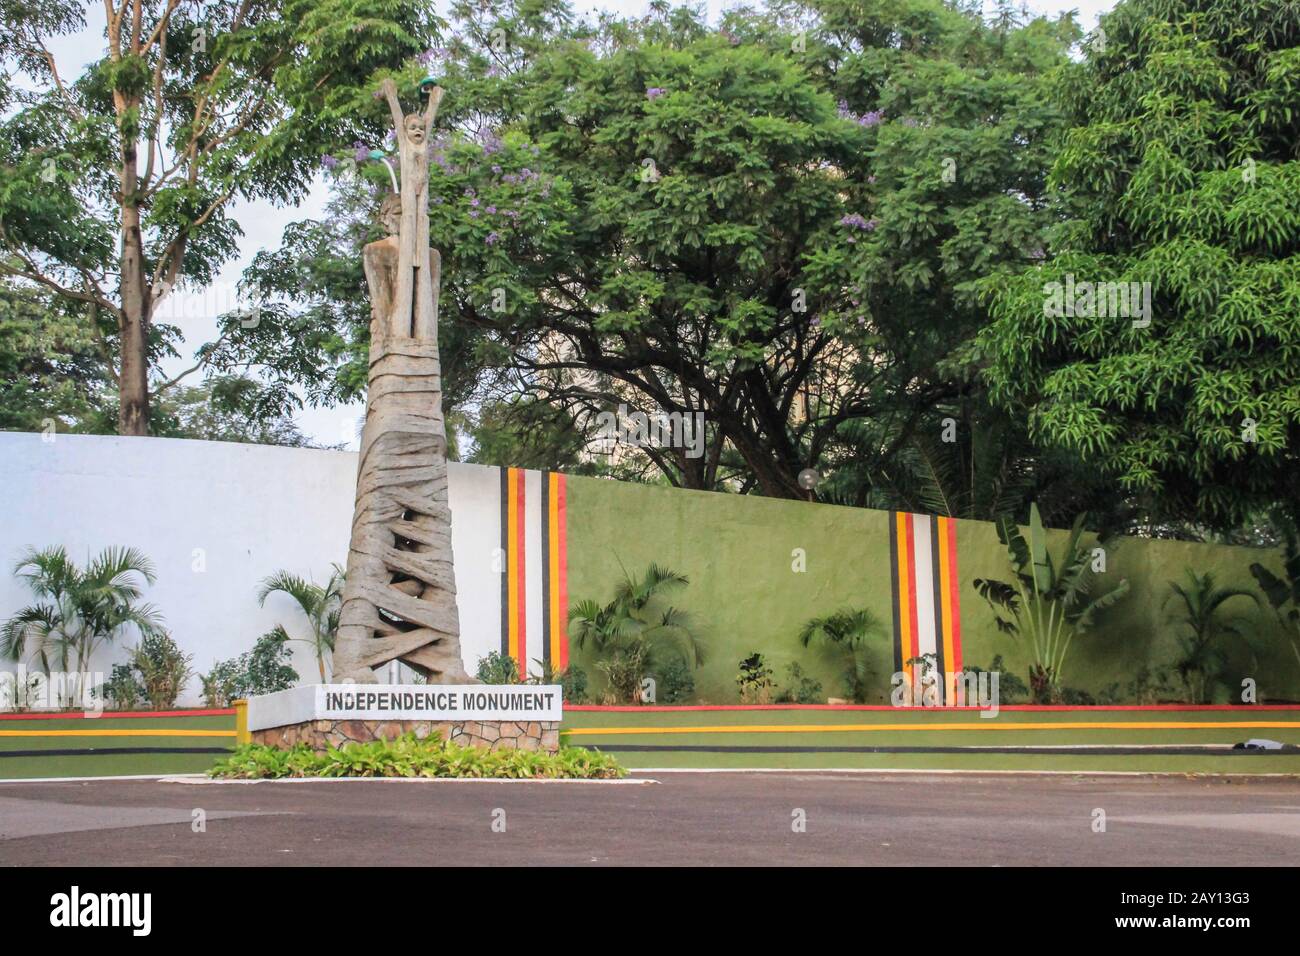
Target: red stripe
(562, 572)
(600, 708)
(953, 598)
(118, 714)
(521, 582)
(911, 587)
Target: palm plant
(849, 629)
(632, 628)
(1201, 655)
(320, 604)
(1050, 600)
(77, 609)
(1283, 593)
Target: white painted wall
(245, 510)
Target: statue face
(414, 128)
(390, 214)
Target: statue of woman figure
(414, 311)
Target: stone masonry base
(490, 734)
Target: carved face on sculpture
(390, 214)
(414, 124)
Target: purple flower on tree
(491, 238)
(654, 92)
(869, 118)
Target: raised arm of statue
(431, 111)
(394, 106)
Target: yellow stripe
(113, 732)
(935, 727)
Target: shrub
(1151, 685)
(1050, 599)
(802, 688)
(573, 679)
(122, 690)
(263, 670)
(1011, 689)
(408, 756)
(497, 668)
(1205, 630)
(220, 683)
(635, 632)
(851, 630)
(163, 669)
(625, 671)
(266, 669)
(754, 680)
(674, 682)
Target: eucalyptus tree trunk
(399, 595)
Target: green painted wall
(745, 597)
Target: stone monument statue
(399, 598)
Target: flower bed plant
(409, 756)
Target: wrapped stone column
(399, 596)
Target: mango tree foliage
(1180, 170)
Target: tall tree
(118, 185)
(1181, 172)
(759, 223)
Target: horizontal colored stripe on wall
(118, 732)
(674, 708)
(117, 714)
(1140, 750)
(935, 727)
(113, 751)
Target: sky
(194, 312)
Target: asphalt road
(683, 819)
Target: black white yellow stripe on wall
(924, 583)
(534, 568)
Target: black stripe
(1072, 751)
(97, 751)
(505, 561)
(547, 494)
(893, 577)
(938, 608)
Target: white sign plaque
(540, 702)
(438, 702)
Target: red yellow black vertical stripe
(926, 609)
(534, 549)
